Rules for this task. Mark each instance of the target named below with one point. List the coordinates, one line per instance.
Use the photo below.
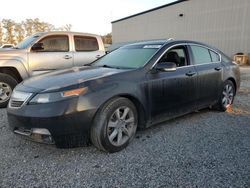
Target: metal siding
(221, 23)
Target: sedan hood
(68, 77)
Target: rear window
(84, 43)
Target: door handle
(67, 57)
(190, 73)
(217, 68)
(97, 56)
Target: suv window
(176, 55)
(84, 43)
(59, 43)
(201, 55)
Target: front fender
(14, 63)
(101, 92)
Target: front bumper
(59, 118)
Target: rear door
(54, 54)
(87, 49)
(209, 68)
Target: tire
(226, 97)
(7, 84)
(114, 125)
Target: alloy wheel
(121, 126)
(227, 95)
(5, 92)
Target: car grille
(16, 104)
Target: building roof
(150, 10)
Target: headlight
(20, 96)
(57, 96)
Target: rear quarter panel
(231, 71)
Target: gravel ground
(202, 149)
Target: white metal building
(224, 24)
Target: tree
(28, 26)
(107, 39)
(67, 27)
(11, 32)
(8, 25)
(1, 34)
(19, 32)
(47, 27)
(39, 26)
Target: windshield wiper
(108, 66)
(89, 64)
(105, 66)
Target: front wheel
(227, 96)
(7, 84)
(114, 125)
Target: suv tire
(7, 84)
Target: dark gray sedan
(137, 85)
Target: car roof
(148, 42)
(169, 41)
(64, 32)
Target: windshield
(27, 41)
(128, 57)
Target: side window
(215, 57)
(59, 43)
(177, 55)
(201, 55)
(84, 43)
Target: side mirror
(37, 47)
(166, 66)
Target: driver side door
(172, 93)
(54, 53)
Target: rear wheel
(114, 125)
(227, 96)
(7, 84)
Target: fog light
(40, 131)
(36, 134)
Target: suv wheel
(114, 125)
(7, 84)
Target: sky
(92, 16)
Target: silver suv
(45, 52)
